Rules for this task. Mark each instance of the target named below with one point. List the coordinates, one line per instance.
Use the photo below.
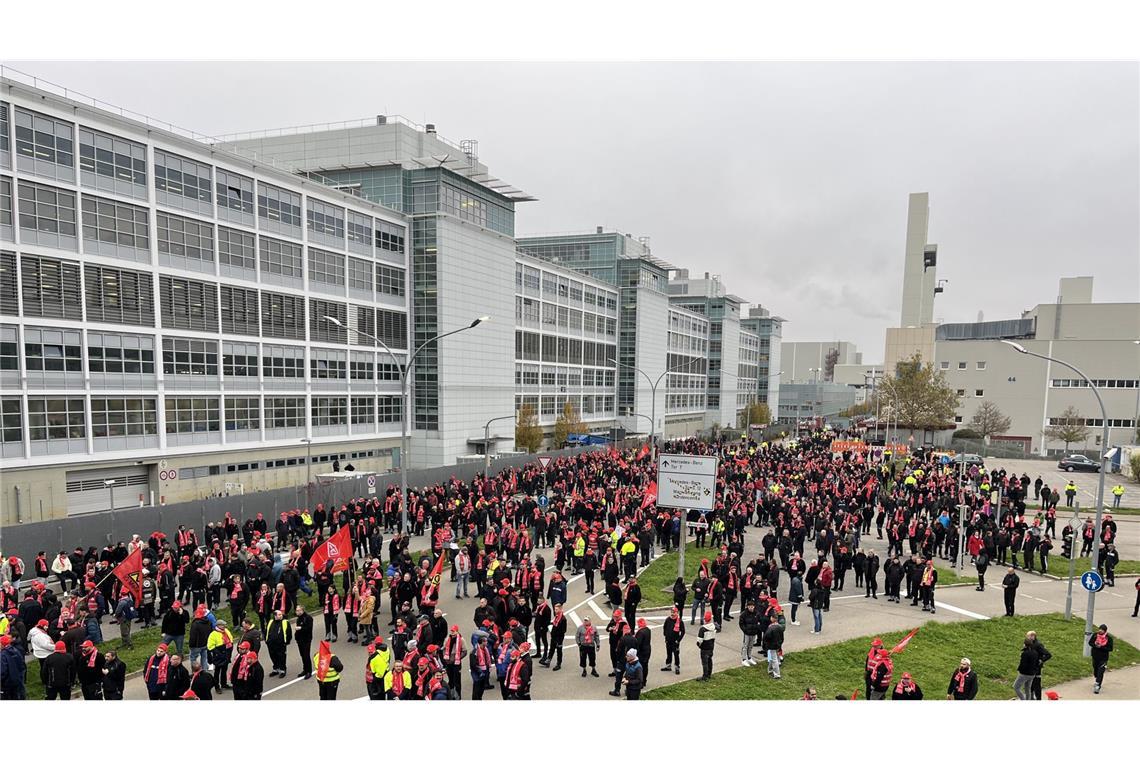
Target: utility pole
(1075, 525)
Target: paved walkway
(1118, 684)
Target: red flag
(902, 644)
(741, 462)
(338, 548)
(650, 497)
(431, 592)
(129, 573)
(855, 695)
(643, 453)
(324, 660)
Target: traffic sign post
(686, 482)
(1075, 524)
(545, 462)
(371, 484)
(1092, 581)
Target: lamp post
(1095, 560)
(487, 444)
(111, 484)
(405, 373)
(308, 472)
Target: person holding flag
(429, 594)
(329, 668)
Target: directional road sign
(686, 482)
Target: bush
(1135, 460)
(967, 433)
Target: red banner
(431, 591)
(338, 548)
(129, 573)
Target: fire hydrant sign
(686, 482)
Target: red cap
(199, 613)
(617, 613)
(641, 623)
(60, 646)
(906, 675)
(87, 644)
(161, 647)
(5, 640)
(378, 640)
(455, 629)
(88, 584)
(176, 605)
(42, 623)
(432, 648)
(243, 646)
(708, 617)
(877, 643)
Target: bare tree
(1070, 428)
(988, 420)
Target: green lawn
(657, 580)
(993, 646)
(1060, 566)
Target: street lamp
(308, 472)
(487, 444)
(405, 373)
(1095, 560)
(111, 484)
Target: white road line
(577, 621)
(1047, 580)
(597, 610)
(282, 686)
(961, 611)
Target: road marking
(282, 686)
(577, 621)
(597, 610)
(961, 611)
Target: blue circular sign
(1092, 581)
(543, 501)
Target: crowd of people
(599, 518)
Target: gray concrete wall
(98, 529)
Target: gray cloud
(788, 179)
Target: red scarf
(482, 658)
(91, 658)
(1101, 640)
(397, 682)
(237, 589)
(589, 634)
(557, 620)
(246, 664)
(161, 667)
(677, 624)
(960, 681)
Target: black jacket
(174, 623)
(59, 670)
(1011, 581)
(303, 628)
(673, 632)
(200, 631)
(749, 623)
(1033, 656)
(177, 682)
(773, 636)
(113, 682)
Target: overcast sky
(790, 180)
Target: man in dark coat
(58, 673)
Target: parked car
(1078, 463)
(972, 460)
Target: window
(192, 415)
(280, 258)
(327, 365)
(961, 392)
(11, 428)
(52, 350)
(5, 202)
(326, 267)
(182, 176)
(8, 300)
(360, 274)
(386, 370)
(179, 236)
(4, 129)
(113, 157)
(979, 393)
(285, 412)
(961, 365)
(43, 138)
(239, 359)
(324, 330)
(234, 191)
(326, 219)
(362, 367)
(282, 316)
(392, 328)
(50, 288)
(389, 237)
(280, 208)
(958, 418)
(189, 304)
(944, 365)
(115, 417)
(120, 296)
(120, 354)
(363, 410)
(359, 229)
(329, 410)
(186, 356)
(54, 419)
(46, 210)
(389, 280)
(388, 408)
(106, 221)
(239, 310)
(283, 361)
(981, 365)
(236, 249)
(243, 413)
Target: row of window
(55, 350)
(45, 147)
(205, 471)
(531, 312)
(63, 418)
(562, 289)
(978, 393)
(962, 365)
(551, 406)
(54, 288)
(553, 348)
(533, 374)
(1080, 383)
(1094, 422)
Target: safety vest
(306, 518)
(330, 676)
(378, 665)
(1118, 490)
(580, 547)
(4, 625)
(1071, 488)
(216, 639)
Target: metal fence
(119, 525)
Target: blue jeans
(178, 641)
(774, 662)
(1115, 501)
(461, 582)
(199, 653)
(693, 614)
(817, 616)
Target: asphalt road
(851, 615)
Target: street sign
(371, 484)
(1092, 581)
(686, 482)
(543, 501)
(545, 461)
